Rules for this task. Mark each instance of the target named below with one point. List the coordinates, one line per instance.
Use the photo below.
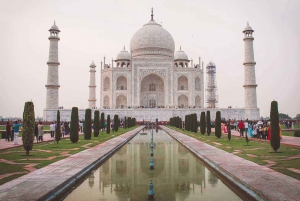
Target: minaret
(52, 78)
(92, 94)
(249, 69)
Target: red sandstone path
(286, 140)
(7, 145)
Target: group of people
(256, 129)
(289, 124)
(12, 131)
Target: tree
(96, 123)
(116, 117)
(28, 127)
(125, 122)
(208, 125)
(218, 124)
(284, 116)
(297, 116)
(275, 138)
(102, 122)
(108, 124)
(74, 133)
(88, 124)
(202, 123)
(229, 130)
(57, 129)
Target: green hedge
(297, 134)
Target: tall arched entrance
(152, 91)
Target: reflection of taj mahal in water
(177, 173)
(152, 81)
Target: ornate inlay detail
(145, 72)
(249, 63)
(250, 85)
(146, 64)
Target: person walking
(246, 125)
(8, 131)
(62, 130)
(16, 127)
(52, 129)
(241, 128)
(41, 131)
(67, 128)
(36, 132)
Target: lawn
(258, 151)
(14, 163)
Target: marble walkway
(51, 180)
(266, 183)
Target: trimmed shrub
(115, 122)
(88, 124)
(274, 120)
(96, 123)
(202, 123)
(28, 127)
(108, 124)
(102, 120)
(74, 133)
(208, 125)
(57, 129)
(297, 134)
(218, 124)
(229, 130)
(125, 122)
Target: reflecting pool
(177, 175)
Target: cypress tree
(202, 123)
(74, 133)
(229, 130)
(88, 124)
(96, 123)
(180, 123)
(28, 127)
(208, 123)
(185, 119)
(115, 122)
(187, 124)
(102, 120)
(125, 122)
(57, 129)
(129, 122)
(274, 120)
(218, 124)
(108, 124)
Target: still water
(177, 174)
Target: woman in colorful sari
(280, 131)
(250, 130)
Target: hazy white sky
(91, 29)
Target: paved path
(52, 179)
(266, 183)
(286, 140)
(7, 145)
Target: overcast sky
(91, 29)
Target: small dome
(123, 55)
(54, 28)
(211, 64)
(93, 64)
(180, 55)
(248, 28)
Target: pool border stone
(50, 182)
(256, 182)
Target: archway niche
(183, 101)
(183, 83)
(197, 101)
(121, 102)
(106, 102)
(152, 91)
(197, 84)
(121, 83)
(106, 84)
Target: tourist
(254, 128)
(81, 126)
(67, 128)
(16, 127)
(292, 125)
(8, 131)
(41, 131)
(241, 128)
(246, 125)
(62, 130)
(36, 132)
(250, 129)
(52, 129)
(280, 131)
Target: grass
(260, 148)
(46, 153)
(288, 133)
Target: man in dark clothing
(8, 131)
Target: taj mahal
(152, 81)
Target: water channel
(177, 175)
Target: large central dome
(152, 39)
